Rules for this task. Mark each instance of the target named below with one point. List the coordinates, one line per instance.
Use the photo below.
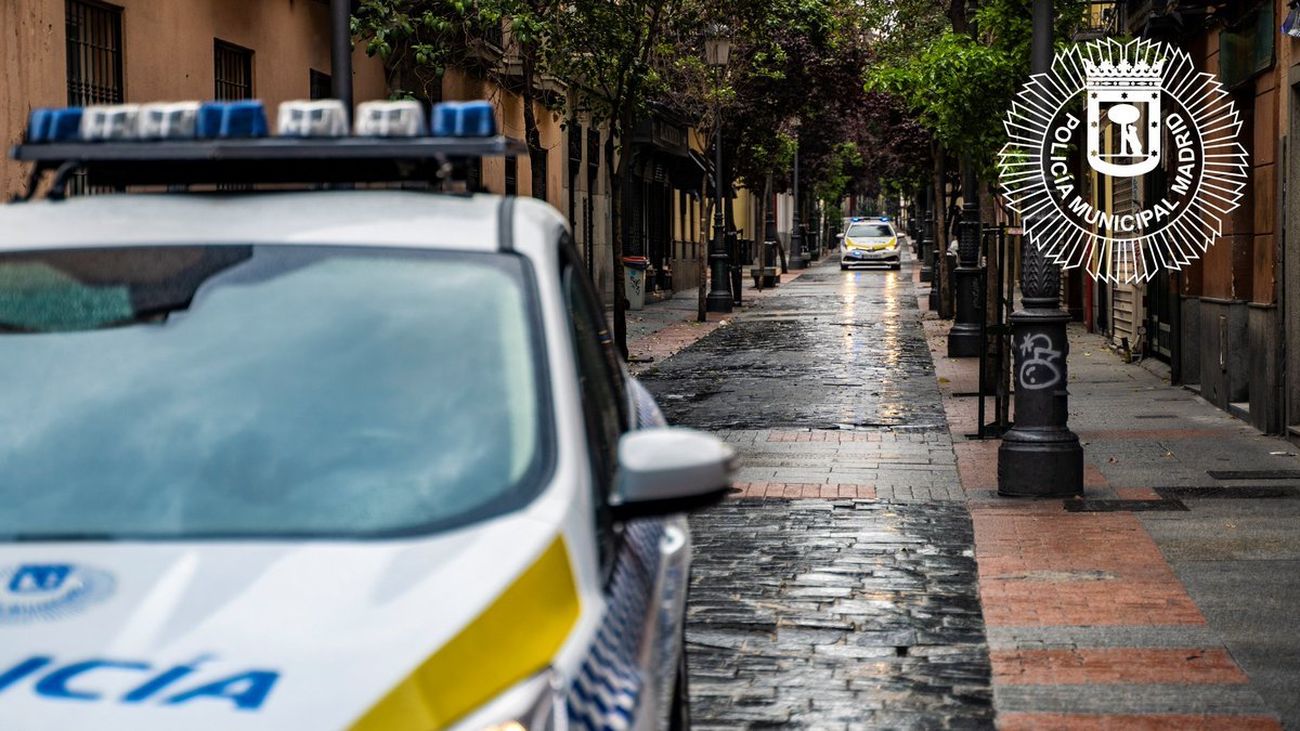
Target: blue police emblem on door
(46, 591)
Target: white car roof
(345, 217)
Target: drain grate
(1154, 416)
(1122, 506)
(1218, 492)
(1254, 474)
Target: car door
(626, 681)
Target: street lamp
(797, 259)
(964, 339)
(717, 52)
(341, 52)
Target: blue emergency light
(231, 142)
(464, 119)
(231, 120)
(54, 125)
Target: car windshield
(869, 231)
(265, 391)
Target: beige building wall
(168, 55)
(457, 85)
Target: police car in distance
(867, 241)
(348, 458)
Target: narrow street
(867, 575)
(840, 588)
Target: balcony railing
(1100, 20)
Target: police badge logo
(1123, 159)
(33, 592)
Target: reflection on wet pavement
(830, 613)
(835, 348)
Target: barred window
(234, 70)
(474, 174)
(94, 50)
(94, 38)
(575, 143)
(540, 171)
(593, 158)
(512, 176)
(321, 85)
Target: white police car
(323, 459)
(870, 242)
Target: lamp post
(1040, 456)
(964, 339)
(924, 221)
(717, 52)
(797, 259)
(929, 248)
(341, 52)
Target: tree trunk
(702, 260)
(532, 135)
(616, 173)
(941, 232)
(760, 241)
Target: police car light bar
(189, 143)
(167, 121)
(246, 119)
(319, 118)
(390, 119)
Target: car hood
(255, 635)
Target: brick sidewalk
(1168, 613)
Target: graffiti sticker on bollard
(1040, 365)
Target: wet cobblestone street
(838, 590)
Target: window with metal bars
(474, 174)
(94, 51)
(94, 37)
(321, 84)
(512, 176)
(233, 66)
(593, 158)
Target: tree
(955, 84)
(613, 46)
(420, 39)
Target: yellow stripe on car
(515, 637)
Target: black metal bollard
(964, 340)
(926, 251)
(1040, 456)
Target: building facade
(72, 52)
(80, 52)
(1228, 326)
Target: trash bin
(634, 281)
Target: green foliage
(959, 89)
(836, 178)
(958, 86)
(419, 39)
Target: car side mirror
(839, 236)
(670, 470)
